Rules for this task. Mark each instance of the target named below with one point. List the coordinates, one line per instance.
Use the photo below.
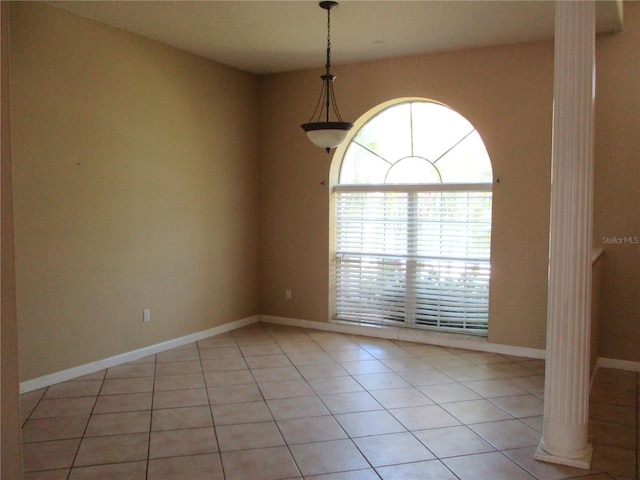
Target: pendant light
(322, 131)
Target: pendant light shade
(320, 129)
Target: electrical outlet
(287, 294)
(146, 315)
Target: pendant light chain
(328, 65)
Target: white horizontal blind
(414, 255)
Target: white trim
(450, 340)
(414, 187)
(617, 364)
(86, 369)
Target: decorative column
(566, 398)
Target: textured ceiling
(275, 36)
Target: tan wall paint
(617, 186)
(135, 187)
(506, 92)
(10, 437)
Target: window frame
(336, 187)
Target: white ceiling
(272, 36)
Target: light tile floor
(271, 402)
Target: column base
(583, 461)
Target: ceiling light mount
(320, 129)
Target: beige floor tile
(622, 414)
(50, 455)
(507, 370)
(467, 374)
(99, 375)
(350, 402)
(352, 355)
(525, 457)
(614, 460)
(127, 402)
(494, 388)
(132, 371)
(180, 398)
(293, 388)
(311, 429)
(483, 358)
(179, 382)
(116, 386)
(291, 349)
(234, 394)
(277, 374)
(321, 370)
(403, 364)
(427, 416)
(181, 418)
(223, 364)
(268, 361)
(530, 384)
(335, 385)
(227, 379)
(247, 436)
(261, 464)
(364, 367)
(178, 355)
(484, 466)
(453, 441)
(29, 401)
(381, 381)
(507, 434)
(250, 350)
(534, 422)
(613, 434)
(112, 449)
(235, 413)
(58, 428)
(476, 411)
(386, 351)
(220, 352)
(176, 443)
(429, 470)
(377, 422)
(64, 407)
(87, 388)
(119, 471)
(392, 449)
(448, 392)
(47, 475)
(219, 341)
(309, 357)
(368, 474)
(401, 397)
(428, 376)
(328, 457)
(447, 360)
(118, 423)
(178, 368)
(297, 407)
(194, 467)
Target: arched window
(413, 221)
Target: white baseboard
(86, 369)
(617, 364)
(411, 335)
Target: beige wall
(617, 186)
(10, 437)
(140, 182)
(135, 187)
(506, 92)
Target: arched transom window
(413, 221)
